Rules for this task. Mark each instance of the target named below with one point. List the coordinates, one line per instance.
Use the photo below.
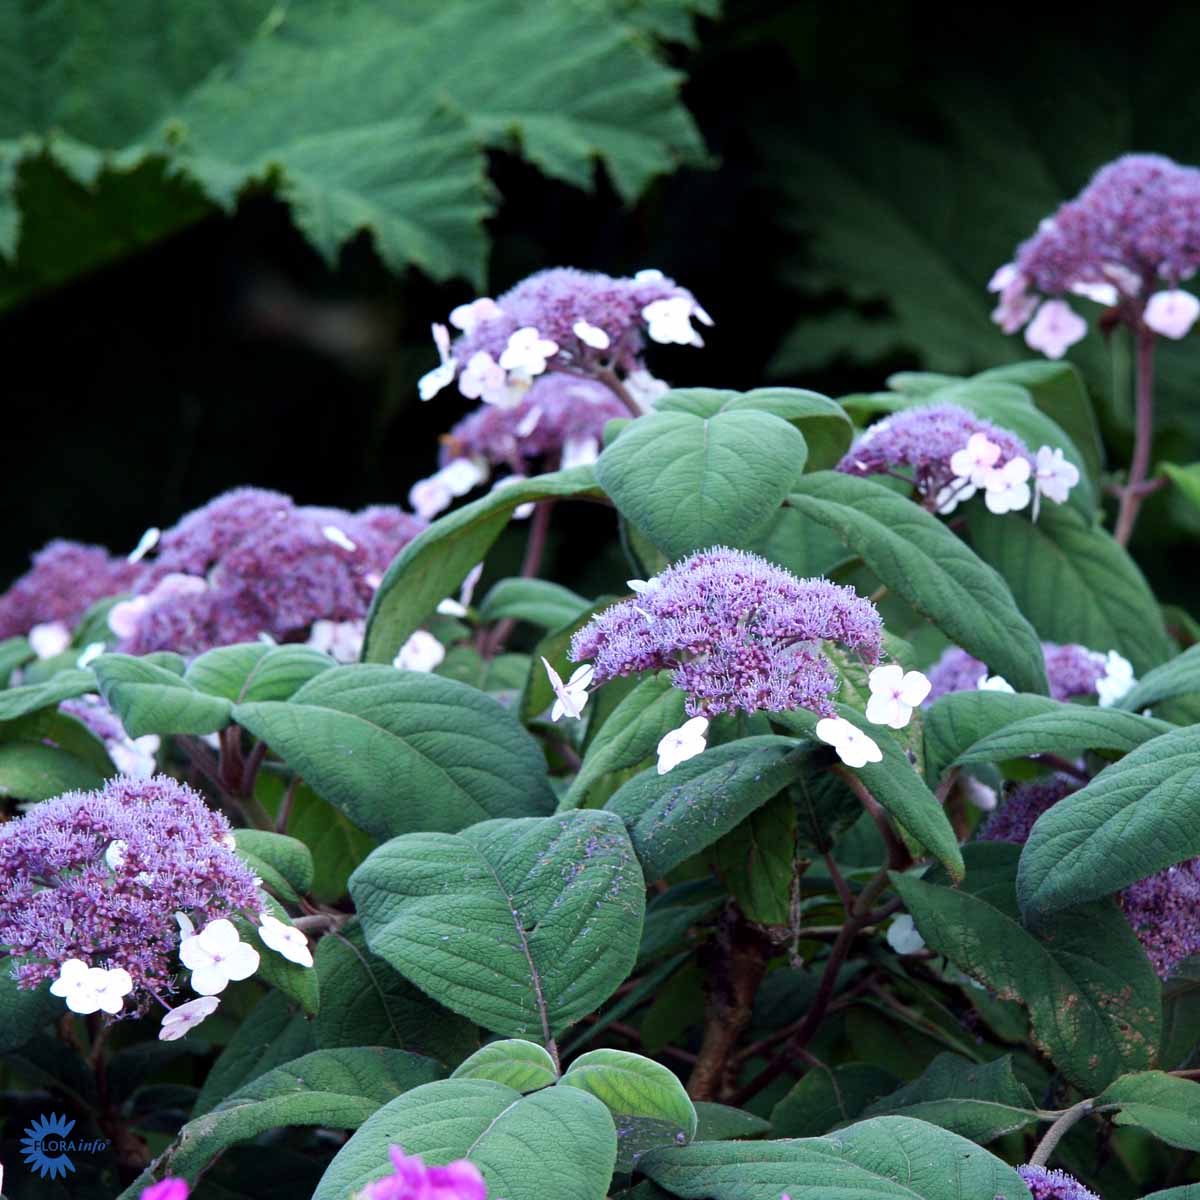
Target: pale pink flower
(527, 351)
(285, 939)
(1053, 476)
(467, 316)
(1172, 313)
(49, 639)
(1055, 329)
(422, 652)
(178, 1022)
(592, 335)
(442, 375)
(976, 459)
(483, 378)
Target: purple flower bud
(737, 631)
(1054, 1185)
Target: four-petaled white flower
(461, 475)
(91, 989)
(339, 538)
(580, 452)
(853, 746)
(182, 1020)
(979, 794)
(975, 459)
(894, 695)
(1053, 476)
(216, 956)
(341, 640)
(1055, 328)
(669, 321)
(286, 940)
(527, 351)
(591, 335)
(954, 494)
(422, 652)
(49, 639)
(572, 696)
(1116, 681)
(458, 608)
(683, 743)
(995, 683)
(467, 316)
(903, 937)
(442, 375)
(146, 543)
(1007, 487)
(483, 378)
(1172, 313)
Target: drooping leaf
(403, 750)
(535, 600)
(921, 560)
(557, 1144)
(151, 699)
(518, 1064)
(1167, 1106)
(686, 482)
(1067, 730)
(433, 565)
(523, 926)
(65, 685)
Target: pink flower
(483, 378)
(976, 459)
(413, 1180)
(168, 1189)
(853, 746)
(467, 316)
(527, 351)
(178, 1022)
(1055, 329)
(1053, 476)
(1172, 313)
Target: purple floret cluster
(1071, 670)
(66, 893)
(920, 442)
(66, 579)
(736, 631)
(1046, 1184)
(1013, 820)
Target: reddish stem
(1134, 491)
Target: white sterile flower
(645, 388)
(903, 937)
(1098, 293)
(182, 1020)
(580, 452)
(458, 608)
(975, 459)
(995, 683)
(442, 375)
(461, 475)
(669, 321)
(979, 794)
(49, 639)
(422, 652)
(91, 989)
(1002, 277)
(1055, 328)
(853, 746)
(427, 498)
(216, 956)
(894, 695)
(285, 939)
(1172, 313)
(110, 988)
(591, 335)
(341, 640)
(467, 316)
(483, 379)
(572, 696)
(683, 743)
(91, 652)
(954, 494)
(1117, 680)
(644, 587)
(1007, 487)
(529, 422)
(649, 275)
(527, 351)
(1053, 476)
(114, 856)
(339, 538)
(146, 543)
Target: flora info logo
(47, 1146)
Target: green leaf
(152, 699)
(14, 652)
(894, 783)
(756, 861)
(1134, 818)
(957, 721)
(402, 750)
(523, 926)
(629, 736)
(433, 565)
(23, 1012)
(63, 730)
(30, 771)
(827, 1097)
(1167, 1106)
(284, 864)
(1179, 677)
(687, 484)
(1189, 1191)
(879, 1159)
(518, 1064)
(66, 685)
(534, 600)
(337, 1089)
(558, 1144)
(980, 1102)
(921, 560)
(1092, 995)
(671, 817)
(1073, 582)
(364, 1002)
(1066, 730)
(719, 1123)
(255, 671)
(649, 1105)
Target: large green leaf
(368, 119)
(398, 751)
(1169, 1107)
(1066, 730)
(1093, 998)
(434, 564)
(523, 926)
(338, 1089)
(538, 601)
(23, 1011)
(31, 771)
(756, 861)
(66, 685)
(919, 558)
(1073, 582)
(879, 1159)
(1135, 818)
(955, 722)
(558, 1144)
(151, 699)
(690, 482)
(649, 1105)
(671, 817)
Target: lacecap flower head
(1072, 671)
(1126, 242)
(97, 877)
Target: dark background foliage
(871, 166)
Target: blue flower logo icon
(42, 1146)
